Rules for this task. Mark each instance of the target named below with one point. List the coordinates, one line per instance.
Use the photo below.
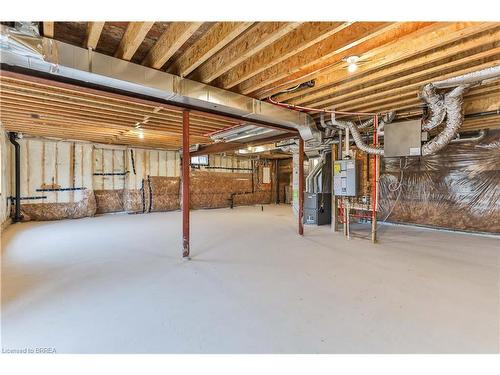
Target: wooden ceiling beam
(390, 97)
(304, 36)
(480, 61)
(353, 35)
(19, 94)
(401, 102)
(131, 140)
(209, 44)
(94, 30)
(92, 127)
(406, 40)
(255, 39)
(120, 100)
(48, 29)
(340, 78)
(170, 41)
(28, 110)
(132, 38)
(231, 146)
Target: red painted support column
(186, 160)
(301, 186)
(376, 159)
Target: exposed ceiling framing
(266, 58)
(43, 108)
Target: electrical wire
(311, 109)
(398, 188)
(393, 187)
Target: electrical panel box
(345, 178)
(403, 139)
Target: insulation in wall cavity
(77, 179)
(215, 190)
(457, 188)
(133, 200)
(57, 211)
(164, 193)
(108, 201)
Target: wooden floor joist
(217, 38)
(172, 39)
(258, 59)
(254, 40)
(94, 30)
(132, 39)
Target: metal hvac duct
(59, 59)
(311, 183)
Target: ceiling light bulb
(352, 59)
(352, 68)
(141, 135)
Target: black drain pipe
(17, 147)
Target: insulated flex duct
(453, 102)
(436, 106)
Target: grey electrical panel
(345, 178)
(403, 139)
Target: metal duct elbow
(327, 125)
(435, 103)
(480, 135)
(310, 179)
(387, 119)
(356, 136)
(453, 102)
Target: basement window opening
(201, 160)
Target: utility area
(250, 187)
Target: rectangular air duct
(63, 60)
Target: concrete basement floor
(117, 284)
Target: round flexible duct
(356, 136)
(453, 102)
(435, 103)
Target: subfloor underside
(117, 284)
